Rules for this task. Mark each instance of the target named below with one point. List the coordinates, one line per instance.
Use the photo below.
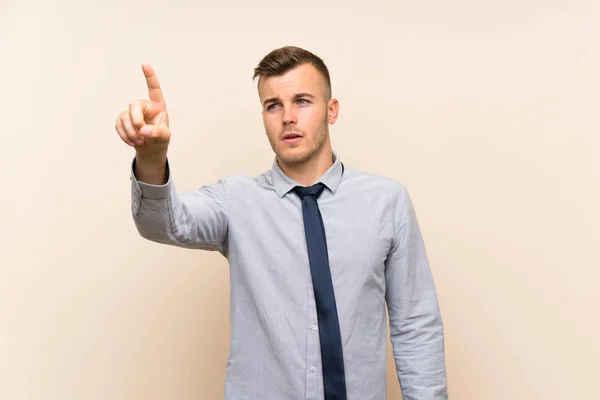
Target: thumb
(153, 131)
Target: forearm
(151, 168)
(157, 213)
(418, 348)
(192, 219)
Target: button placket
(312, 349)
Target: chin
(294, 156)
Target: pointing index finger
(153, 85)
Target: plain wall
(487, 111)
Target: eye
(303, 100)
(271, 106)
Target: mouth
(292, 137)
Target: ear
(333, 109)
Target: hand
(145, 125)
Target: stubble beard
(294, 156)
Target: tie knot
(314, 190)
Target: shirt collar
(331, 178)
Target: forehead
(304, 78)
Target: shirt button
(314, 327)
(312, 368)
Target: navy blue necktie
(334, 381)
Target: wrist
(154, 157)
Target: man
(316, 249)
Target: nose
(289, 116)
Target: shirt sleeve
(192, 219)
(416, 329)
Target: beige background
(487, 110)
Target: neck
(309, 171)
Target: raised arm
(192, 219)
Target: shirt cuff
(147, 190)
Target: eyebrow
(296, 96)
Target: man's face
(296, 113)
